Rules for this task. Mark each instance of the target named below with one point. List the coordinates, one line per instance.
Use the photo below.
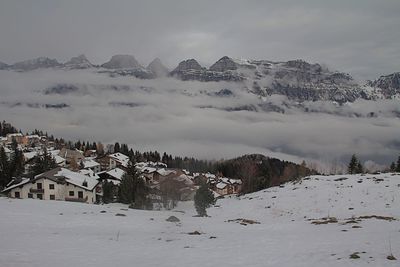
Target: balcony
(36, 190)
(76, 199)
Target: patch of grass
(354, 256)
(325, 220)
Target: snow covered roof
(221, 185)
(89, 173)
(117, 173)
(14, 135)
(77, 179)
(19, 183)
(89, 163)
(121, 158)
(165, 172)
(35, 136)
(58, 159)
(30, 155)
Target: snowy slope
(46, 233)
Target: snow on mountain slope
(279, 230)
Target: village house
(111, 161)
(226, 186)
(91, 164)
(57, 184)
(18, 137)
(72, 157)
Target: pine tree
(359, 168)
(398, 165)
(352, 168)
(5, 176)
(42, 163)
(393, 167)
(132, 189)
(203, 199)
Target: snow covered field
(50, 233)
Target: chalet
(111, 161)
(18, 137)
(57, 184)
(91, 164)
(31, 140)
(114, 176)
(71, 155)
(226, 186)
(118, 159)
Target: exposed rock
(224, 64)
(79, 62)
(122, 62)
(189, 64)
(37, 63)
(388, 84)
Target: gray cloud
(164, 114)
(360, 37)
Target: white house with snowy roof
(57, 184)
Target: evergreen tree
(117, 147)
(398, 165)
(393, 167)
(108, 192)
(42, 163)
(359, 167)
(352, 168)
(5, 176)
(203, 199)
(133, 189)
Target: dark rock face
(190, 64)
(224, 64)
(37, 63)
(157, 68)
(122, 62)
(79, 62)
(389, 84)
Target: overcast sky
(361, 37)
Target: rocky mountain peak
(189, 64)
(223, 64)
(37, 63)
(122, 62)
(79, 62)
(158, 68)
(388, 84)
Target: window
(17, 195)
(30, 195)
(80, 194)
(39, 185)
(52, 197)
(51, 186)
(40, 196)
(71, 193)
